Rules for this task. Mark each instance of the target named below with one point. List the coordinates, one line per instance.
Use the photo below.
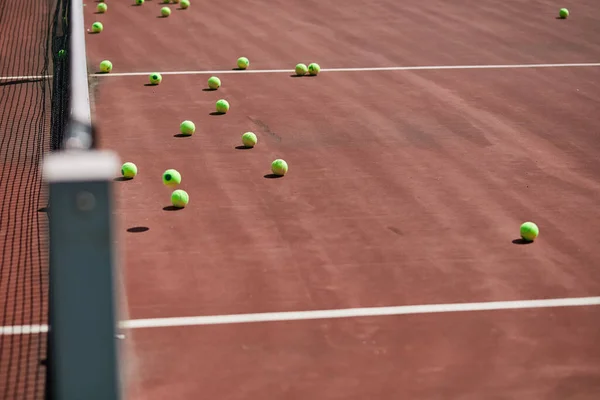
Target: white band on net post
(71, 166)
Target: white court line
(366, 69)
(327, 314)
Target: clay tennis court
(406, 187)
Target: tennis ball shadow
(138, 229)
(217, 113)
(150, 84)
(238, 69)
(43, 209)
(181, 135)
(121, 179)
(172, 208)
(303, 76)
(93, 33)
(521, 241)
(161, 16)
(208, 90)
(243, 147)
(272, 176)
(101, 73)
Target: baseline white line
(328, 314)
(366, 69)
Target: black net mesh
(61, 77)
(34, 109)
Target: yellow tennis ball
(129, 170)
(180, 198)
(563, 13)
(222, 106)
(97, 27)
(101, 8)
(139, 2)
(165, 11)
(249, 139)
(155, 78)
(529, 231)
(106, 66)
(314, 68)
(243, 63)
(184, 4)
(279, 167)
(301, 69)
(187, 128)
(214, 83)
(171, 177)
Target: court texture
(386, 263)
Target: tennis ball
(249, 139)
(314, 68)
(155, 78)
(165, 11)
(301, 69)
(129, 170)
(106, 66)
(97, 27)
(529, 231)
(175, 1)
(180, 198)
(101, 8)
(171, 177)
(279, 167)
(214, 82)
(187, 128)
(166, 1)
(184, 4)
(62, 54)
(139, 2)
(243, 63)
(563, 13)
(222, 106)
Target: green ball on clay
(529, 231)
(279, 167)
(106, 66)
(249, 139)
(243, 63)
(214, 83)
(155, 78)
(222, 106)
(97, 27)
(314, 69)
(129, 170)
(180, 198)
(187, 128)
(301, 69)
(171, 177)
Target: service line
(327, 314)
(290, 71)
(366, 69)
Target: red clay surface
(404, 188)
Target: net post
(83, 300)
